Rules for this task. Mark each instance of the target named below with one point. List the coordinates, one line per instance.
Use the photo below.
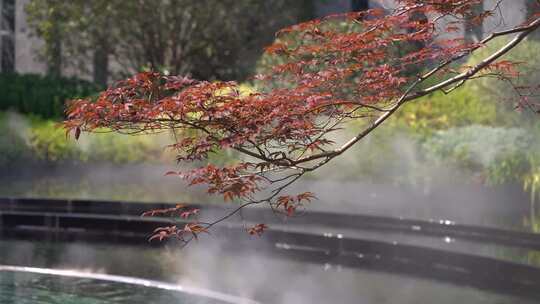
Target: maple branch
(363, 133)
(460, 78)
(523, 32)
(406, 96)
(347, 103)
(331, 77)
(268, 199)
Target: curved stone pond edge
(118, 222)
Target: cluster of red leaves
(189, 230)
(504, 68)
(326, 78)
(231, 182)
(257, 229)
(180, 210)
(291, 203)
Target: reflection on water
(32, 288)
(533, 257)
(98, 182)
(250, 275)
(472, 204)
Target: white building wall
(27, 45)
(508, 14)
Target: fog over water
(256, 274)
(442, 192)
(250, 274)
(462, 202)
(398, 181)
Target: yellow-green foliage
(531, 180)
(525, 54)
(491, 89)
(48, 142)
(121, 148)
(244, 89)
(23, 138)
(475, 127)
(484, 101)
(439, 112)
(531, 183)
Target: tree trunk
(7, 42)
(473, 31)
(54, 65)
(101, 66)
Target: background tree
(533, 6)
(473, 26)
(324, 82)
(7, 26)
(208, 39)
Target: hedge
(42, 96)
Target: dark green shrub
(42, 96)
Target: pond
(23, 285)
(505, 207)
(205, 265)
